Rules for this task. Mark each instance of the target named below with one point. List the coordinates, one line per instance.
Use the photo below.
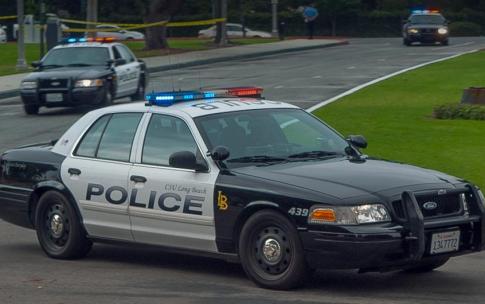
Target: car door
(171, 206)
(234, 31)
(121, 70)
(96, 173)
(132, 69)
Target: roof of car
(204, 107)
(86, 44)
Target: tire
(406, 42)
(59, 229)
(427, 266)
(445, 42)
(108, 97)
(140, 92)
(31, 109)
(270, 230)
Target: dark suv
(425, 27)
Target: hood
(343, 178)
(427, 26)
(69, 72)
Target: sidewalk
(9, 84)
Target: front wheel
(59, 229)
(140, 92)
(271, 252)
(31, 109)
(108, 97)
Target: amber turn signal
(323, 215)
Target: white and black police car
(84, 71)
(425, 26)
(229, 174)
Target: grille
(445, 204)
(428, 31)
(53, 83)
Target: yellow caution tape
(98, 23)
(7, 17)
(144, 25)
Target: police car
(425, 26)
(227, 174)
(83, 71)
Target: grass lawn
(8, 51)
(395, 117)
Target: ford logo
(430, 205)
(55, 83)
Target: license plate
(445, 242)
(54, 97)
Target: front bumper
(70, 97)
(427, 37)
(396, 245)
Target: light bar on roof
(166, 99)
(83, 39)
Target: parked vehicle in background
(234, 30)
(3, 34)
(118, 33)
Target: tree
(155, 11)
(333, 9)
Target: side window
(90, 141)
(116, 53)
(111, 137)
(166, 135)
(125, 53)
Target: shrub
(459, 111)
(465, 28)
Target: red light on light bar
(245, 91)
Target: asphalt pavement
(113, 274)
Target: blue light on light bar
(71, 40)
(209, 94)
(165, 97)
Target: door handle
(138, 179)
(74, 171)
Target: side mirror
(186, 160)
(220, 153)
(36, 64)
(120, 61)
(358, 141)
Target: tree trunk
(156, 11)
(334, 26)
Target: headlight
(88, 83)
(413, 31)
(28, 85)
(354, 215)
(442, 31)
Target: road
(113, 274)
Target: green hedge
(459, 111)
(465, 28)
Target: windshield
(79, 56)
(272, 135)
(427, 19)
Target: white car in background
(3, 34)
(234, 30)
(118, 33)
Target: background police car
(68, 75)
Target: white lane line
(350, 68)
(317, 77)
(360, 87)
(279, 87)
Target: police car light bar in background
(83, 40)
(420, 10)
(166, 99)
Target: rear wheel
(427, 266)
(58, 227)
(31, 109)
(271, 252)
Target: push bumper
(64, 98)
(393, 246)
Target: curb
(14, 93)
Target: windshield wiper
(314, 154)
(79, 64)
(51, 66)
(256, 159)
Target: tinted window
(118, 136)
(77, 56)
(90, 141)
(166, 135)
(427, 19)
